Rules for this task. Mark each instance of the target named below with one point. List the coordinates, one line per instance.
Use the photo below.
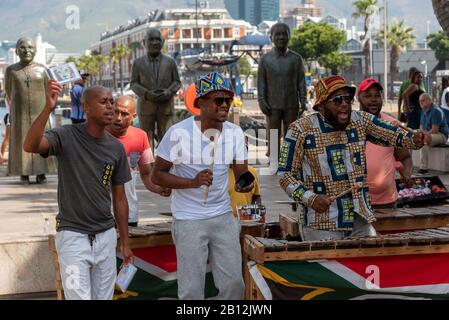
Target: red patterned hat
(326, 86)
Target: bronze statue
(26, 83)
(281, 85)
(155, 80)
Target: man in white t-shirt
(193, 159)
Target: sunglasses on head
(338, 100)
(220, 100)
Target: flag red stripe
(398, 271)
(164, 256)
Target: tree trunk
(394, 68)
(120, 70)
(441, 9)
(366, 47)
(114, 76)
(100, 76)
(366, 53)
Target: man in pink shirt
(382, 162)
(138, 151)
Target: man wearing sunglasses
(382, 162)
(324, 167)
(196, 169)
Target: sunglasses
(338, 100)
(219, 101)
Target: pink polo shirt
(382, 166)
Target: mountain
(28, 17)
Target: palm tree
(365, 9)
(71, 59)
(117, 54)
(88, 64)
(400, 37)
(134, 46)
(101, 61)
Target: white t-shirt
(190, 151)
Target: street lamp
(426, 80)
(424, 62)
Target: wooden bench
(438, 158)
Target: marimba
(152, 236)
(385, 250)
(388, 220)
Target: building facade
(253, 11)
(213, 32)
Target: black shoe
(24, 180)
(41, 179)
(423, 171)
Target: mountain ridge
(28, 17)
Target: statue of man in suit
(155, 80)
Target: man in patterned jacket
(323, 156)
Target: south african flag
(421, 276)
(156, 275)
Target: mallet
(357, 186)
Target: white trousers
(87, 266)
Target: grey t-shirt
(87, 167)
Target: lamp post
(426, 80)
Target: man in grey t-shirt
(91, 165)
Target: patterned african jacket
(316, 160)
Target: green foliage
(321, 42)
(399, 35)
(364, 8)
(244, 67)
(335, 61)
(313, 41)
(119, 52)
(439, 42)
(71, 59)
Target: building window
(171, 47)
(186, 34)
(197, 33)
(218, 34)
(236, 32)
(171, 32)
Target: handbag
(403, 117)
